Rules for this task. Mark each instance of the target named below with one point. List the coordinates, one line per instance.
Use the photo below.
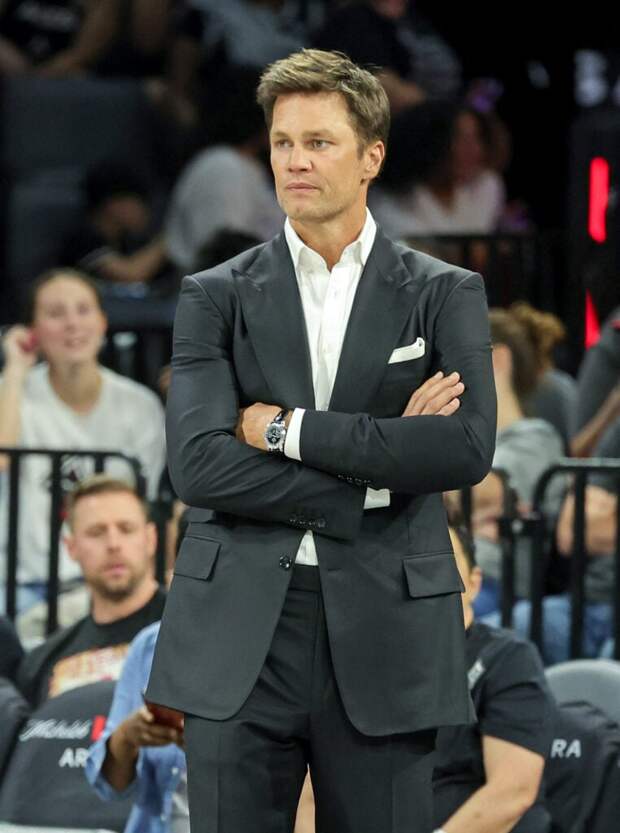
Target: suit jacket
(390, 584)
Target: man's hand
(253, 422)
(438, 396)
(142, 729)
(123, 746)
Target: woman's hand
(20, 349)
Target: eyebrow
(309, 134)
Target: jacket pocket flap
(432, 575)
(196, 557)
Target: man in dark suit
(315, 615)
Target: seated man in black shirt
(487, 776)
(113, 243)
(114, 543)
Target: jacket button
(285, 562)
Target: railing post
(12, 536)
(56, 507)
(578, 564)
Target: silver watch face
(274, 435)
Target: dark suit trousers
(245, 774)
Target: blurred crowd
(203, 196)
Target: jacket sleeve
(421, 454)
(208, 466)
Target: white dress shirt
(327, 299)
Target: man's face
(320, 173)
(113, 543)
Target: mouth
(301, 186)
(115, 570)
(76, 342)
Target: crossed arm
(211, 467)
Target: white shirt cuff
(293, 435)
(376, 498)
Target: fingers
(151, 733)
(437, 396)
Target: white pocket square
(409, 351)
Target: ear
(151, 538)
(475, 582)
(502, 359)
(70, 544)
(373, 156)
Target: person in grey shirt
(598, 389)
(555, 395)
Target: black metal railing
(515, 266)
(536, 528)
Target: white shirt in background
(219, 189)
(128, 417)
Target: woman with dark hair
(66, 401)
(438, 177)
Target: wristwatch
(275, 433)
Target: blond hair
(316, 71)
(100, 484)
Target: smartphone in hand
(165, 715)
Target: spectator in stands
(438, 177)
(11, 651)
(600, 540)
(67, 401)
(554, 397)
(525, 447)
(487, 776)
(226, 186)
(254, 32)
(416, 63)
(55, 37)
(598, 389)
(112, 243)
(113, 543)
(137, 754)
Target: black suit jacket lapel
(385, 296)
(274, 316)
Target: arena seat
(595, 681)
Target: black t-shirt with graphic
(95, 652)
(512, 702)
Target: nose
(71, 319)
(113, 539)
(298, 159)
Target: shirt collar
(356, 252)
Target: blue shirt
(159, 768)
